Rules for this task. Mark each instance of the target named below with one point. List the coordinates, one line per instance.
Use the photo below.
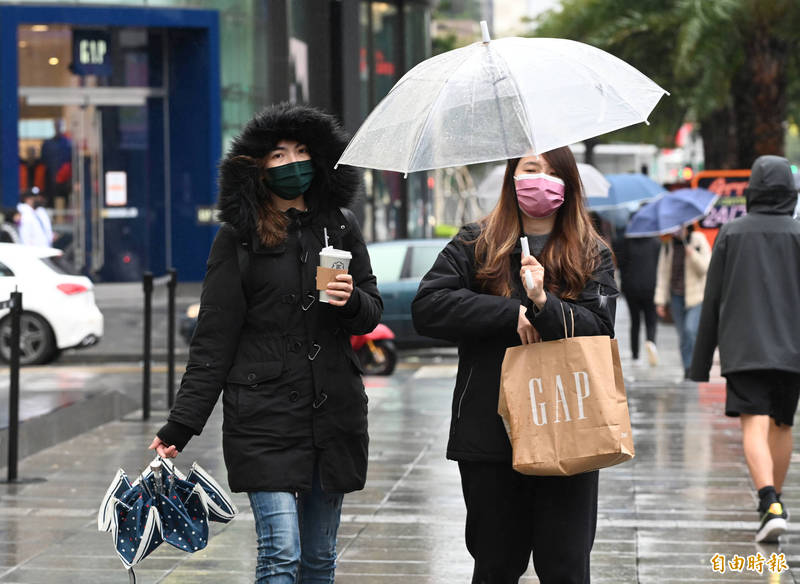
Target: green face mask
(290, 180)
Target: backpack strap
(243, 254)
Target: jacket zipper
(461, 399)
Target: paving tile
(662, 516)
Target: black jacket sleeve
(214, 343)
(594, 310)
(446, 307)
(707, 340)
(363, 310)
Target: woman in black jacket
(474, 295)
(295, 411)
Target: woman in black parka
(295, 411)
(474, 295)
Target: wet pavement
(685, 499)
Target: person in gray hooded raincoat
(750, 309)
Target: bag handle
(564, 317)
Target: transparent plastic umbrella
(594, 183)
(495, 100)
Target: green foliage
(640, 32)
(443, 42)
(692, 48)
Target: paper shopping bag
(564, 407)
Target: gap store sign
(91, 52)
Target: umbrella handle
(131, 576)
(155, 467)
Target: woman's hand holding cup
(536, 292)
(339, 292)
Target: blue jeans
(687, 321)
(296, 535)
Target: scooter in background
(376, 350)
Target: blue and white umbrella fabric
(626, 194)
(626, 190)
(162, 505)
(670, 212)
(219, 503)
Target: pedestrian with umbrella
(750, 311)
(683, 259)
(639, 258)
(294, 432)
(474, 295)
(522, 101)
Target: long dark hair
(271, 223)
(571, 254)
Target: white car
(58, 308)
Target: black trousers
(510, 516)
(638, 304)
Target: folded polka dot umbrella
(162, 505)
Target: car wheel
(37, 344)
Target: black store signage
(91, 52)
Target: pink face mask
(539, 195)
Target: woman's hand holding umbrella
(535, 292)
(163, 450)
(528, 334)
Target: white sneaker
(652, 353)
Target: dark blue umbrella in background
(670, 212)
(624, 197)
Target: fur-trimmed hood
(241, 186)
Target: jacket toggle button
(310, 298)
(251, 376)
(294, 396)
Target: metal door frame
(193, 107)
(90, 131)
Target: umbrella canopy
(624, 197)
(595, 185)
(627, 190)
(162, 505)
(496, 100)
(670, 212)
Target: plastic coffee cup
(336, 259)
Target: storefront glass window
(384, 40)
(417, 34)
(298, 53)
(243, 55)
(417, 49)
(53, 55)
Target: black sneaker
(785, 510)
(773, 524)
